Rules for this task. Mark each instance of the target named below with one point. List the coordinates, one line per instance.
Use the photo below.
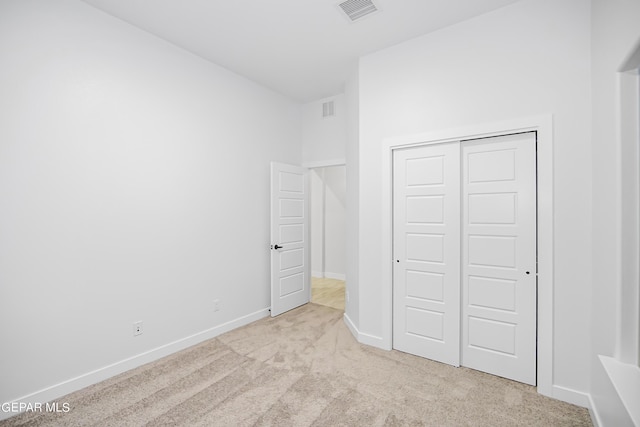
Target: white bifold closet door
(477, 262)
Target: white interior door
(426, 295)
(290, 260)
(499, 256)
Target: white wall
(527, 59)
(615, 31)
(324, 139)
(134, 186)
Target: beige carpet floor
(304, 368)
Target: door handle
(278, 247)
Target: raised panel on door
(426, 290)
(290, 278)
(499, 256)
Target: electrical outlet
(137, 328)
(216, 305)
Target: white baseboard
(328, 275)
(373, 341)
(571, 396)
(352, 328)
(595, 417)
(364, 338)
(58, 390)
(625, 379)
(337, 276)
(558, 392)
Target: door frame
(321, 165)
(543, 125)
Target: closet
(464, 244)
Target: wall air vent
(356, 9)
(328, 109)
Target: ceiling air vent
(356, 9)
(328, 110)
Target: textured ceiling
(303, 49)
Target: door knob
(277, 246)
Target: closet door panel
(499, 256)
(426, 298)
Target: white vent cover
(328, 109)
(356, 9)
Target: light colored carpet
(304, 368)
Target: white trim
(323, 226)
(593, 412)
(372, 340)
(58, 390)
(632, 62)
(337, 276)
(625, 378)
(543, 125)
(351, 326)
(627, 348)
(324, 163)
(572, 396)
(364, 338)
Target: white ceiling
(303, 49)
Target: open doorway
(328, 236)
